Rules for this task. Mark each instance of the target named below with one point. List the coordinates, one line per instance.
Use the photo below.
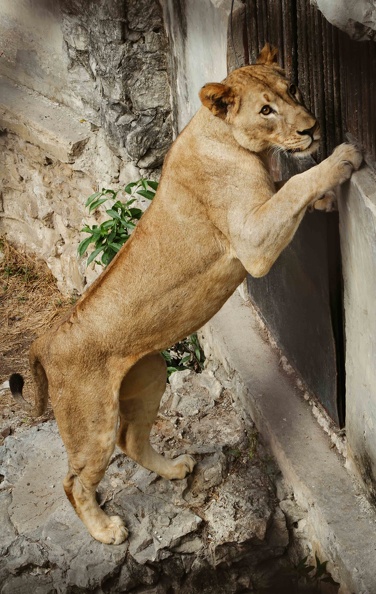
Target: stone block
(52, 127)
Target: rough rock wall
(110, 78)
(42, 203)
(358, 18)
(117, 74)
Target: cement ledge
(36, 119)
(339, 518)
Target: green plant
(109, 236)
(186, 354)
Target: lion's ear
(268, 55)
(218, 98)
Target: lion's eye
(266, 110)
(293, 90)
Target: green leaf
(146, 194)
(108, 191)
(98, 233)
(84, 245)
(108, 256)
(94, 205)
(166, 355)
(87, 229)
(116, 246)
(107, 225)
(113, 213)
(129, 225)
(110, 235)
(118, 205)
(92, 197)
(94, 254)
(153, 184)
(136, 213)
(129, 187)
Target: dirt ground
(29, 303)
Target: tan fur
(216, 216)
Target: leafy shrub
(109, 236)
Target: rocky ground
(219, 531)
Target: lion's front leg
(327, 203)
(259, 236)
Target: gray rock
(358, 19)
(117, 53)
(182, 533)
(238, 513)
(144, 15)
(8, 532)
(24, 584)
(143, 134)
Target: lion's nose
(309, 131)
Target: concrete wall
(84, 104)
(358, 243)
(31, 46)
(200, 49)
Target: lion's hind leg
(80, 488)
(140, 395)
(88, 423)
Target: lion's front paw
(114, 531)
(347, 155)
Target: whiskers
(275, 152)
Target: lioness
(218, 207)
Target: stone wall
(358, 244)
(84, 104)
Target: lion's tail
(16, 384)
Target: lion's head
(264, 109)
